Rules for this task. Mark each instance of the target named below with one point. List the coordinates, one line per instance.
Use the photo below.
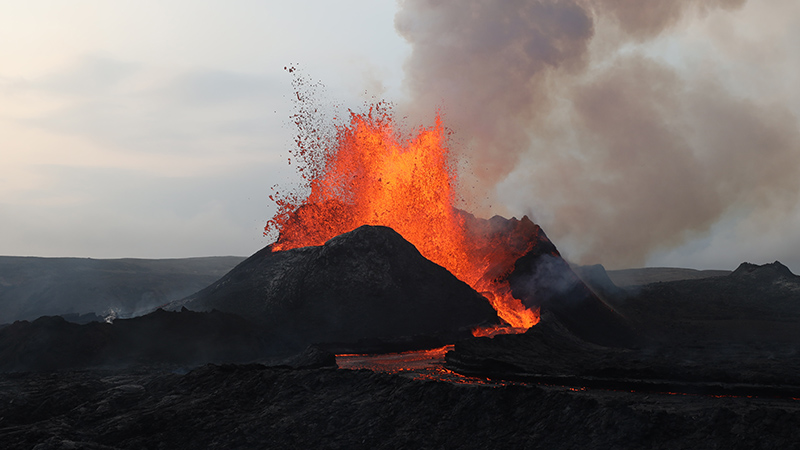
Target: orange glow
(371, 176)
(394, 362)
(420, 364)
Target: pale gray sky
(156, 128)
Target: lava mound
(366, 284)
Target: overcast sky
(156, 129)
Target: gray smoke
(646, 19)
(615, 152)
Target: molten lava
(418, 364)
(369, 175)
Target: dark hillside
(369, 283)
(31, 287)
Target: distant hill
(751, 304)
(31, 287)
(647, 275)
(723, 335)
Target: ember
(369, 175)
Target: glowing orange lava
(371, 176)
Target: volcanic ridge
(609, 368)
(367, 284)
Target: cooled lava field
(702, 361)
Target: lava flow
(369, 175)
(419, 365)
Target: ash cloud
(564, 115)
(488, 65)
(643, 20)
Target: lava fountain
(368, 174)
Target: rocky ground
(254, 406)
(548, 353)
(690, 363)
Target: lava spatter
(370, 173)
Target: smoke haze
(585, 115)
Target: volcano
(374, 247)
(376, 258)
(366, 284)
(371, 285)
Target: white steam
(591, 117)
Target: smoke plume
(563, 111)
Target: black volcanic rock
(772, 271)
(84, 318)
(170, 338)
(755, 305)
(596, 278)
(547, 345)
(313, 357)
(551, 353)
(50, 343)
(368, 283)
(542, 278)
(724, 335)
(257, 407)
(628, 278)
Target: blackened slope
(259, 287)
(550, 353)
(186, 337)
(548, 348)
(376, 280)
(596, 278)
(766, 272)
(50, 343)
(541, 278)
(365, 284)
(755, 305)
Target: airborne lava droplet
(367, 174)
